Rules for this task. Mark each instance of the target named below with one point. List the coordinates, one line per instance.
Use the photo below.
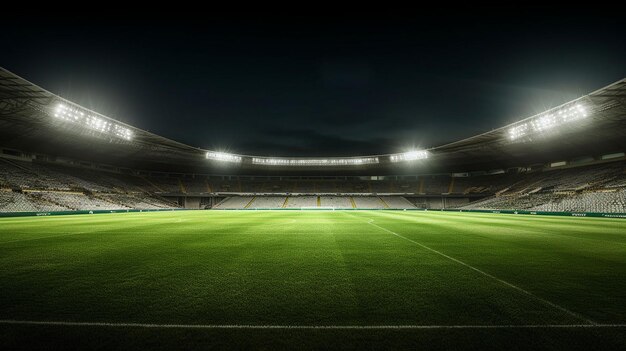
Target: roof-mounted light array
(223, 156)
(549, 120)
(353, 161)
(89, 120)
(409, 156)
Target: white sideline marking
(271, 326)
(511, 285)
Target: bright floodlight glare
(222, 156)
(270, 161)
(94, 122)
(409, 156)
(549, 120)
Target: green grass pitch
(312, 279)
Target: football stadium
(322, 248)
(115, 237)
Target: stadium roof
(35, 120)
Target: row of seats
(614, 201)
(264, 202)
(587, 201)
(78, 201)
(33, 175)
(18, 202)
(512, 183)
(301, 201)
(512, 202)
(57, 187)
(50, 201)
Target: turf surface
(331, 269)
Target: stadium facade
(57, 156)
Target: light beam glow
(91, 121)
(223, 156)
(409, 156)
(549, 120)
(271, 161)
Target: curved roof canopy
(36, 120)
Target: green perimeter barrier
(515, 212)
(63, 213)
(544, 213)
(316, 209)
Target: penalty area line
(317, 327)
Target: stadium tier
(58, 156)
(44, 186)
(32, 187)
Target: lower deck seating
(301, 201)
(234, 202)
(368, 202)
(613, 201)
(19, 202)
(335, 201)
(267, 202)
(50, 201)
(41, 186)
(606, 201)
(78, 201)
(338, 202)
(397, 202)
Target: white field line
(285, 326)
(511, 285)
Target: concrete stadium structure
(58, 156)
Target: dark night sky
(304, 86)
